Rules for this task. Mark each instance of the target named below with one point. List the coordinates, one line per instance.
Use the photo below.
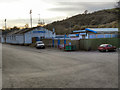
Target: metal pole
(39, 20)
(5, 25)
(31, 20)
(31, 17)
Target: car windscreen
(102, 45)
(109, 45)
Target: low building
(4, 34)
(91, 33)
(28, 36)
(102, 32)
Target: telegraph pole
(31, 18)
(39, 19)
(5, 25)
(43, 22)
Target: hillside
(99, 19)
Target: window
(102, 45)
(109, 46)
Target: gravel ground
(25, 67)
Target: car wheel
(106, 50)
(43, 47)
(114, 50)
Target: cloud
(22, 22)
(72, 7)
(50, 10)
(8, 1)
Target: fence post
(53, 42)
(64, 41)
(58, 42)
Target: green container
(70, 47)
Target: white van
(40, 44)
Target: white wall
(27, 37)
(3, 39)
(0, 38)
(20, 39)
(31, 34)
(16, 39)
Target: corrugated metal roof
(102, 29)
(13, 32)
(25, 30)
(5, 32)
(22, 31)
(79, 31)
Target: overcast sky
(17, 11)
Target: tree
(15, 28)
(76, 27)
(118, 7)
(93, 20)
(86, 11)
(118, 4)
(26, 26)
